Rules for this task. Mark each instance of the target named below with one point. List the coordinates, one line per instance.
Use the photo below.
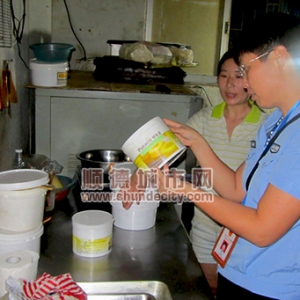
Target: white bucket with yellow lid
(153, 145)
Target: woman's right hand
(187, 135)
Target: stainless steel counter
(162, 253)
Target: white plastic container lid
(92, 219)
(6, 235)
(21, 179)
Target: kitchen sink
(126, 290)
(122, 297)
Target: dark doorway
(243, 12)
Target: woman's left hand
(186, 134)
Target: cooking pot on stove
(102, 158)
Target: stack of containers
(22, 205)
(51, 64)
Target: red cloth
(53, 287)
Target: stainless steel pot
(102, 158)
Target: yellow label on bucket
(88, 246)
(158, 151)
(62, 75)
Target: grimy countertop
(162, 253)
(84, 80)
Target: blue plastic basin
(52, 52)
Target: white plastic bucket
(153, 145)
(16, 241)
(42, 74)
(22, 201)
(92, 233)
(139, 216)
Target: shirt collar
(252, 117)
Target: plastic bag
(183, 55)
(136, 52)
(146, 52)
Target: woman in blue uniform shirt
(260, 202)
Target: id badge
(224, 246)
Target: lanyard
(278, 128)
(280, 123)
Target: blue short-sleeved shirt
(272, 271)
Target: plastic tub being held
(153, 145)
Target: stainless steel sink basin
(122, 297)
(126, 290)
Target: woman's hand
(169, 183)
(133, 189)
(187, 135)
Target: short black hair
(270, 30)
(231, 53)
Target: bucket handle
(50, 198)
(47, 187)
